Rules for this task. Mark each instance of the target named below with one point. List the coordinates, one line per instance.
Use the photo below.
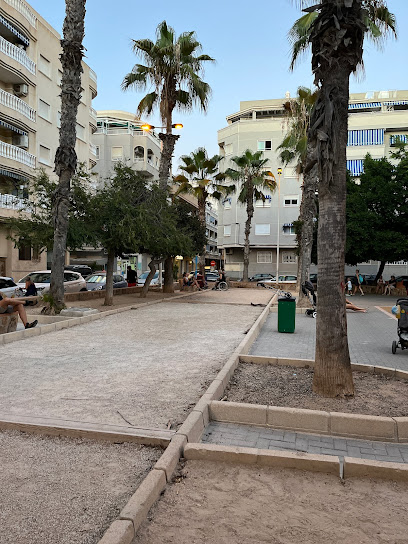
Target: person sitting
(31, 291)
(392, 284)
(16, 306)
(189, 280)
(221, 277)
(351, 306)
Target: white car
(73, 281)
(282, 279)
(7, 287)
(142, 278)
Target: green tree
(65, 157)
(172, 67)
(253, 179)
(295, 148)
(336, 33)
(202, 179)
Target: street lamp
(146, 126)
(277, 242)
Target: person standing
(349, 286)
(131, 277)
(358, 282)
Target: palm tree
(172, 68)
(202, 179)
(335, 29)
(65, 157)
(253, 179)
(294, 147)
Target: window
(290, 201)
(288, 228)
(264, 257)
(80, 132)
(139, 153)
(227, 230)
(262, 229)
(44, 66)
(228, 149)
(227, 203)
(24, 253)
(117, 153)
(44, 109)
(97, 152)
(265, 145)
(288, 257)
(264, 203)
(45, 155)
(59, 78)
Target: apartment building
(211, 230)
(30, 78)
(375, 119)
(119, 137)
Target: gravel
(65, 491)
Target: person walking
(358, 282)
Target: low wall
(91, 295)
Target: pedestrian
(16, 306)
(380, 286)
(349, 287)
(131, 277)
(358, 280)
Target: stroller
(309, 292)
(402, 327)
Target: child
(349, 287)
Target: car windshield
(145, 274)
(37, 277)
(96, 278)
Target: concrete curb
(266, 458)
(360, 426)
(366, 468)
(119, 532)
(80, 429)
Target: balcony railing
(16, 104)
(93, 113)
(17, 154)
(93, 149)
(25, 11)
(12, 202)
(17, 54)
(93, 75)
(132, 132)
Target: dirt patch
(234, 504)
(290, 386)
(65, 491)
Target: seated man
(31, 291)
(15, 306)
(221, 278)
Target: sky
(250, 45)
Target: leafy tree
(202, 179)
(295, 148)
(65, 157)
(336, 33)
(253, 179)
(173, 67)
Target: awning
(364, 105)
(7, 173)
(396, 103)
(13, 128)
(12, 29)
(355, 167)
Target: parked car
(73, 281)
(282, 279)
(261, 277)
(142, 278)
(83, 269)
(97, 281)
(211, 276)
(7, 286)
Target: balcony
(17, 54)
(93, 75)
(11, 202)
(128, 130)
(17, 154)
(22, 7)
(93, 149)
(93, 114)
(16, 104)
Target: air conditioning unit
(228, 251)
(21, 140)
(21, 90)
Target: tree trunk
(65, 157)
(250, 214)
(380, 270)
(168, 284)
(145, 288)
(201, 216)
(109, 278)
(169, 141)
(337, 44)
(306, 216)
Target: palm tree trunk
(65, 157)
(201, 216)
(250, 214)
(169, 141)
(109, 278)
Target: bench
(8, 323)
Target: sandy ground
(291, 386)
(232, 296)
(148, 365)
(65, 491)
(237, 504)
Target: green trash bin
(286, 314)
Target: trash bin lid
(286, 299)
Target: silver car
(7, 286)
(73, 281)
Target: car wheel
(84, 289)
(394, 347)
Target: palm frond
(299, 36)
(147, 103)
